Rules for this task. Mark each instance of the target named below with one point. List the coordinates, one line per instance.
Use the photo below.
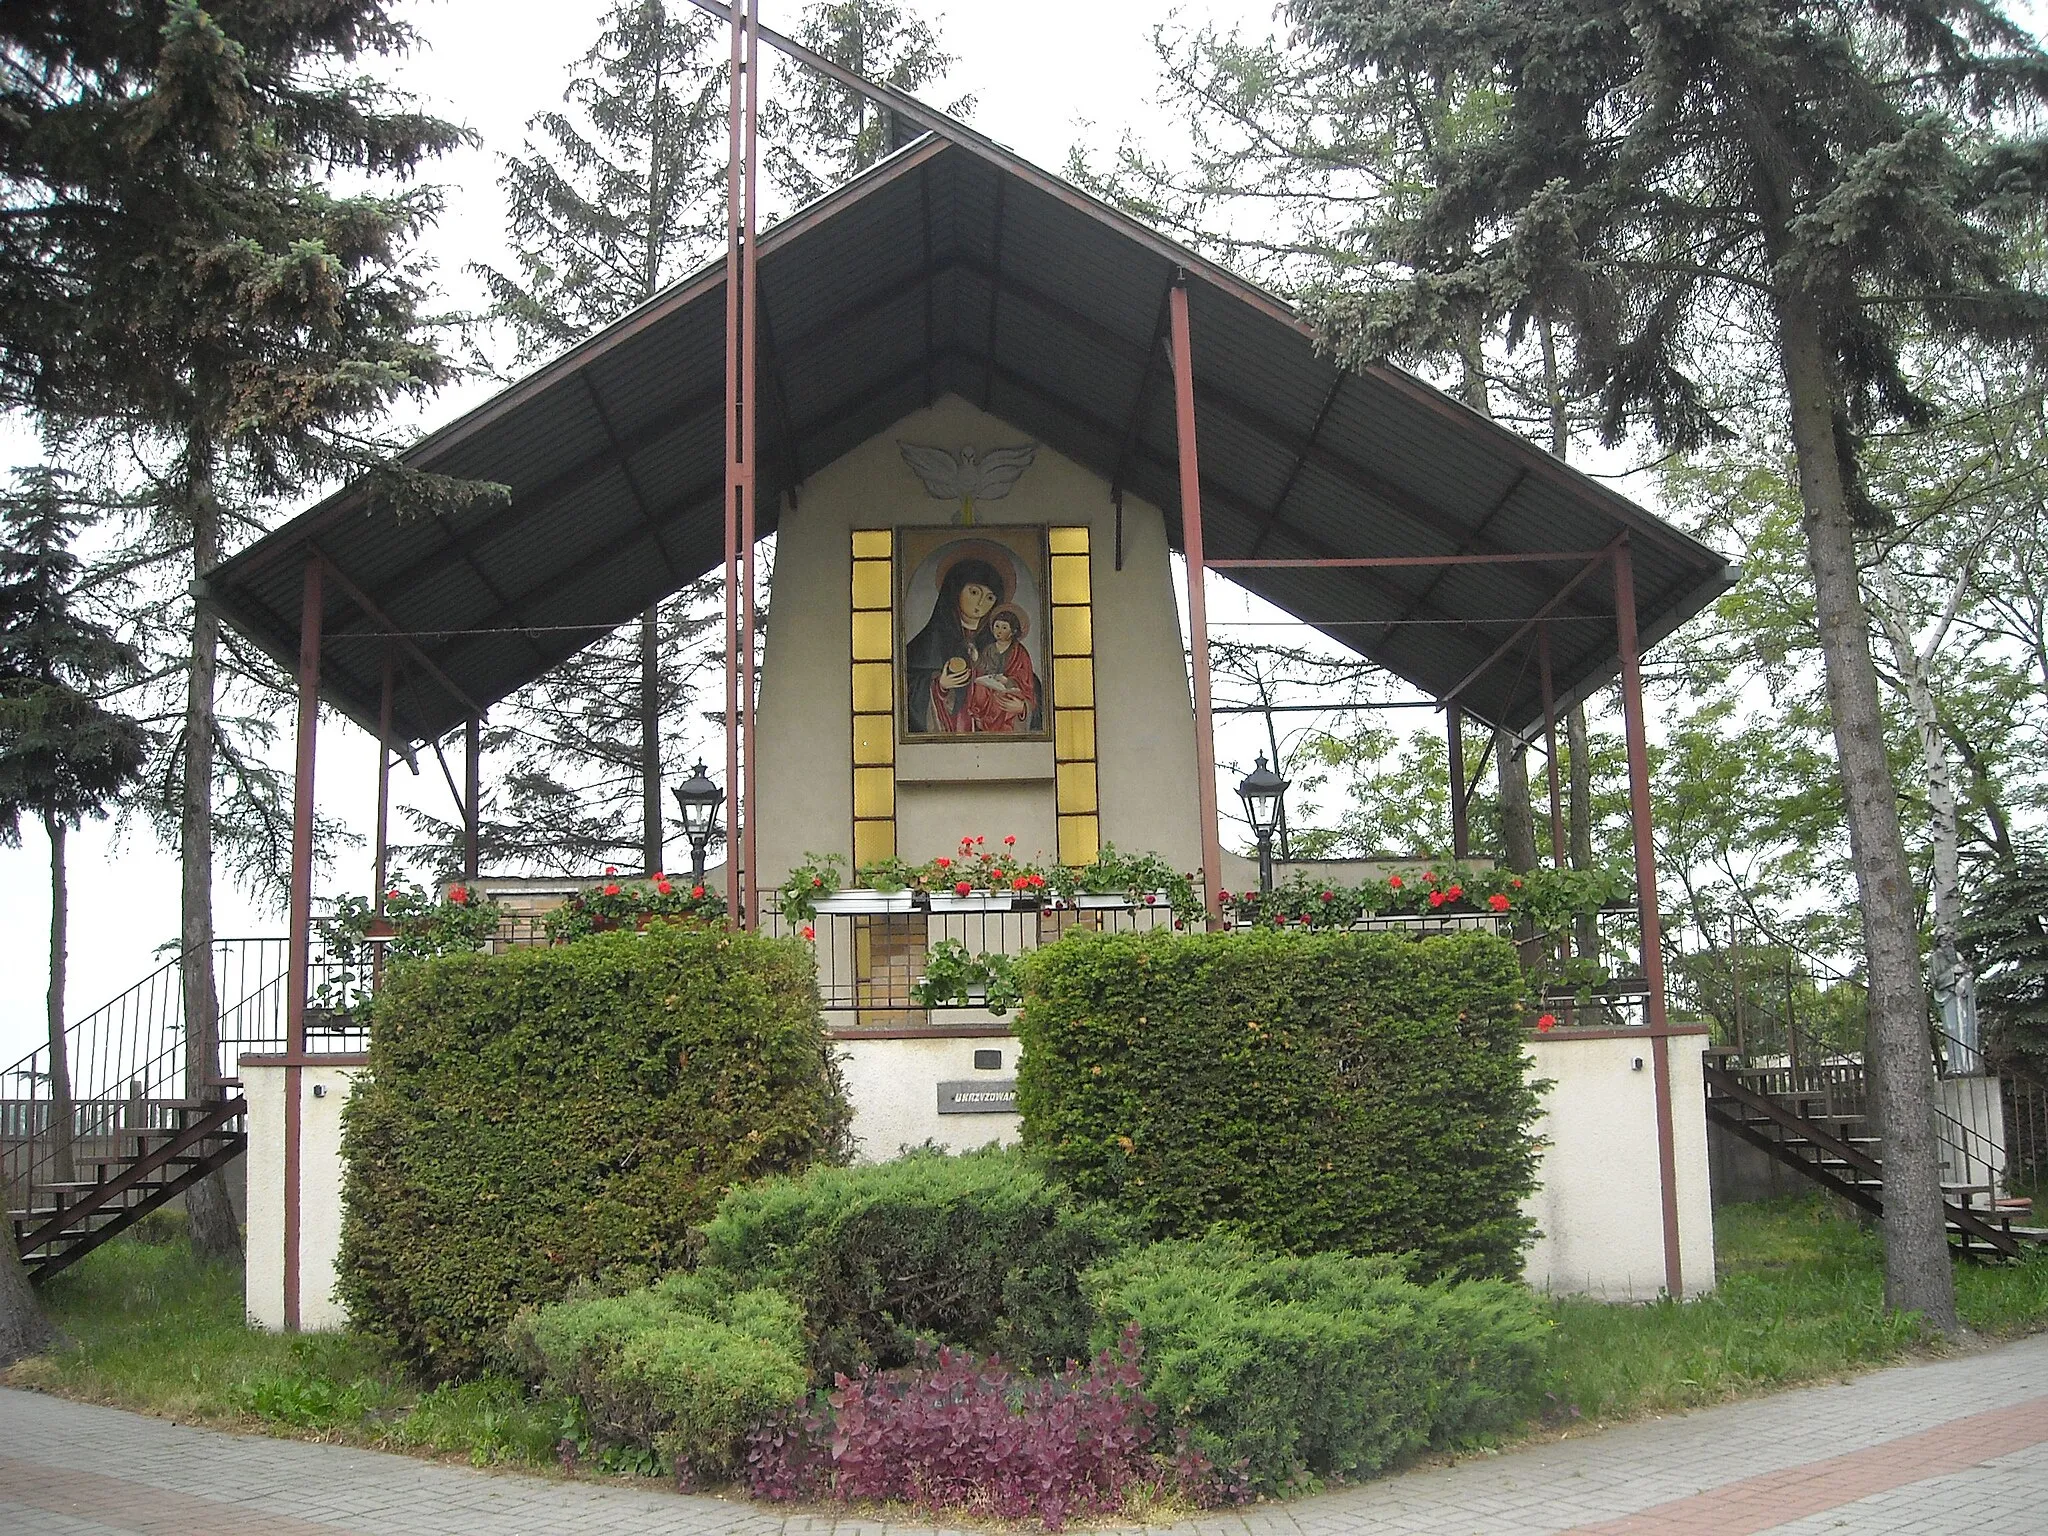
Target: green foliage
(980, 1250)
(1329, 1364)
(535, 1117)
(1340, 1090)
(2007, 931)
(686, 1367)
(817, 875)
(953, 978)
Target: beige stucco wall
(319, 1193)
(1599, 1206)
(1144, 718)
(894, 1088)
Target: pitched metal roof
(955, 266)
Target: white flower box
(973, 901)
(863, 901)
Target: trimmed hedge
(536, 1117)
(978, 1250)
(1280, 1368)
(1350, 1091)
(687, 1367)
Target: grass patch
(1800, 1298)
(150, 1328)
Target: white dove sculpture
(968, 476)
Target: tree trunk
(1517, 816)
(62, 1124)
(1955, 987)
(1579, 818)
(651, 837)
(1917, 1276)
(24, 1330)
(215, 1237)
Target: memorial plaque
(985, 1096)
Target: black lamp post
(1262, 790)
(699, 800)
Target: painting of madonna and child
(974, 609)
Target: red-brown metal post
(749, 436)
(1198, 611)
(1557, 840)
(1461, 824)
(384, 779)
(1646, 900)
(734, 486)
(299, 944)
(472, 782)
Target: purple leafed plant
(957, 1432)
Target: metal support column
(384, 780)
(749, 437)
(472, 780)
(1454, 736)
(1198, 613)
(1557, 839)
(1646, 900)
(734, 471)
(299, 960)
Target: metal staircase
(142, 1121)
(1827, 1145)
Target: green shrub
(686, 1367)
(539, 1116)
(1348, 1091)
(980, 1250)
(1291, 1368)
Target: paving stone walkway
(1932, 1450)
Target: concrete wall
(322, 1092)
(894, 1086)
(1599, 1207)
(1145, 740)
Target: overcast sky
(1043, 76)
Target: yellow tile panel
(1069, 578)
(874, 739)
(871, 583)
(873, 840)
(1079, 839)
(1073, 734)
(1072, 632)
(873, 543)
(874, 688)
(1067, 541)
(1073, 683)
(874, 792)
(871, 635)
(1074, 787)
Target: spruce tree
(1824, 178)
(64, 755)
(613, 200)
(816, 132)
(188, 282)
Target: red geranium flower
(943, 862)
(1151, 900)
(1038, 882)
(962, 888)
(1394, 882)
(1010, 841)
(612, 889)
(1436, 898)
(1020, 882)
(1546, 1022)
(1455, 892)
(1516, 882)
(1429, 875)
(608, 869)
(1329, 895)
(663, 886)
(458, 894)
(1220, 895)
(1498, 902)
(697, 890)
(810, 932)
(392, 894)
(817, 880)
